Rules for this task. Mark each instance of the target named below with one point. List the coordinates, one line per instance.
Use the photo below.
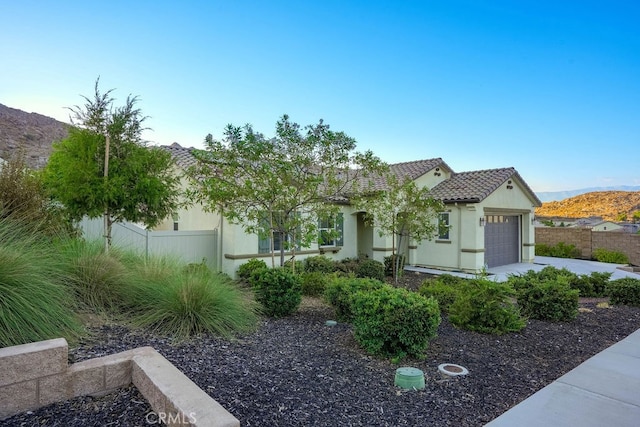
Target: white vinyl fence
(190, 246)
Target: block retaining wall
(38, 374)
(587, 241)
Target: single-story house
(488, 213)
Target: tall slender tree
(105, 168)
(402, 210)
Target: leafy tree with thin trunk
(403, 210)
(279, 187)
(105, 168)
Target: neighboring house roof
(183, 156)
(475, 186)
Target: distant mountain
(32, 133)
(550, 196)
(605, 204)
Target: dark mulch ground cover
(298, 372)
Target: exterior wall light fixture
(482, 222)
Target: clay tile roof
(183, 156)
(413, 170)
(475, 186)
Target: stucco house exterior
(489, 217)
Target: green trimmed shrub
(339, 293)
(549, 300)
(314, 283)
(294, 266)
(347, 265)
(371, 269)
(320, 264)
(613, 257)
(592, 285)
(394, 322)
(246, 270)
(443, 289)
(278, 290)
(166, 297)
(560, 250)
(486, 307)
(599, 281)
(35, 304)
(625, 291)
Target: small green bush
(625, 291)
(339, 294)
(278, 290)
(394, 322)
(314, 283)
(549, 300)
(486, 306)
(560, 250)
(444, 290)
(371, 269)
(246, 270)
(294, 266)
(166, 297)
(347, 265)
(613, 257)
(320, 264)
(389, 264)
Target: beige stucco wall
(465, 249)
(238, 246)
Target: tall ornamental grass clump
(394, 322)
(34, 303)
(170, 298)
(98, 279)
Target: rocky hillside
(606, 204)
(30, 132)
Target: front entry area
(501, 240)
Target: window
(443, 226)
(264, 243)
(330, 231)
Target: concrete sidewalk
(602, 391)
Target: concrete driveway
(577, 266)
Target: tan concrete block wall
(587, 241)
(28, 361)
(37, 374)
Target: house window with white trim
(280, 241)
(443, 226)
(331, 230)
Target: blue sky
(551, 88)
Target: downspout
(459, 251)
(220, 239)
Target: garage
(501, 240)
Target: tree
(105, 168)
(24, 200)
(279, 187)
(402, 209)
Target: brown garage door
(501, 240)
